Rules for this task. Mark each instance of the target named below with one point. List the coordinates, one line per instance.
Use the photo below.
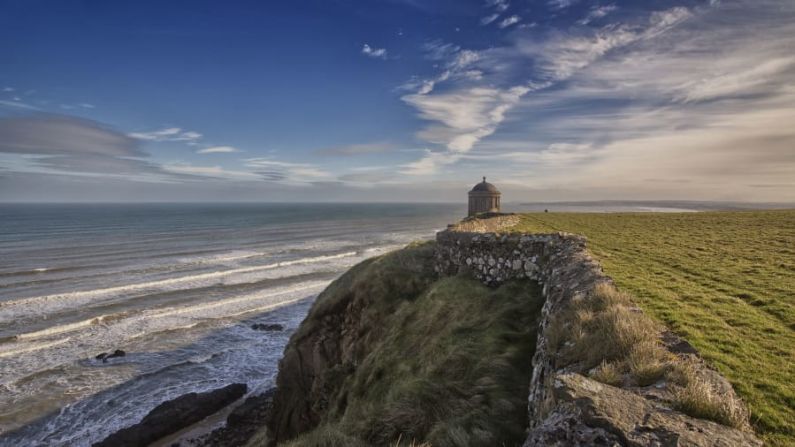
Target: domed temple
(484, 198)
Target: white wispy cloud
(60, 144)
(499, 5)
(469, 111)
(489, 18)
(465, 116)
(508, 21)
(714, 126)
(378, 53)
(288, 172)
(429, 164)
(18, 104)
(597, 12)
(562, 55)
(217, 172)
(457, 63)
(218, 150)
(167, 134)
(743, 79)
(561, 4)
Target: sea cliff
(487, 338)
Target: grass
(697, 398)
(724, 281)
(440, 362)
(604, 333)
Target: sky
(396, 100)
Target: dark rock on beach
(105, 356)
(242, 423)
(174, 415)
(267, 327)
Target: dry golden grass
(609, 373)
(605, 333)
(648, 362)
(697, 397)
(602, 326)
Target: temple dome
(485, 186)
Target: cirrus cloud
(218, 150)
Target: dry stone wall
(568, 409)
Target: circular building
(484, 198)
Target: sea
(177, 287)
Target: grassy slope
(723, 280)
(449, 363)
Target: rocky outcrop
(242, 423)
(105, 356)
(174, 415)
(589, 413)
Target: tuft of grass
(601, 327)
(608, 372)
(648, 362)
(721, 280)
(697, 398)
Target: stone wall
(566, 408)
(494, 258)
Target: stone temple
(484, 198)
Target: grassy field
(725, 281)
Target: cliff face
(337, 334)
(390, 352)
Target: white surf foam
(117, 329)
(32, 347)
(40, 304)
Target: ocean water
(175, 286)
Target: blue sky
(396, 100)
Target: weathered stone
(591, 413)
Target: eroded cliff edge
(391, 351)
(413, 347)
